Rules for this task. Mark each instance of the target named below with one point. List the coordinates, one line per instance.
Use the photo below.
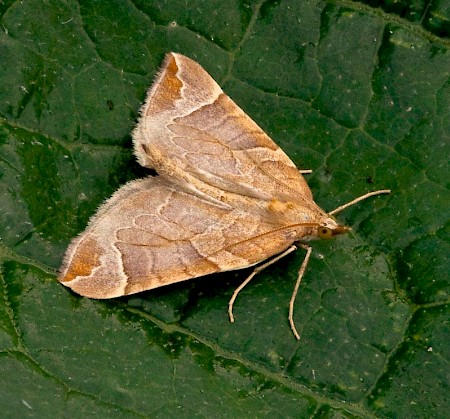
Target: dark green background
(359, 92)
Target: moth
(226, 197)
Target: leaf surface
(358, 94)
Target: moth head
(330, 228)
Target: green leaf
(358, 94)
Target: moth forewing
(227, 197)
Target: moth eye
(325, 233)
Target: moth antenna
(301, 272)
(365, 196)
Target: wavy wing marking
(200, 137)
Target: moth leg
(250, 277)
(305, 172)
(301, 272)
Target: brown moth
(227, 197)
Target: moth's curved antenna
(360, 198)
